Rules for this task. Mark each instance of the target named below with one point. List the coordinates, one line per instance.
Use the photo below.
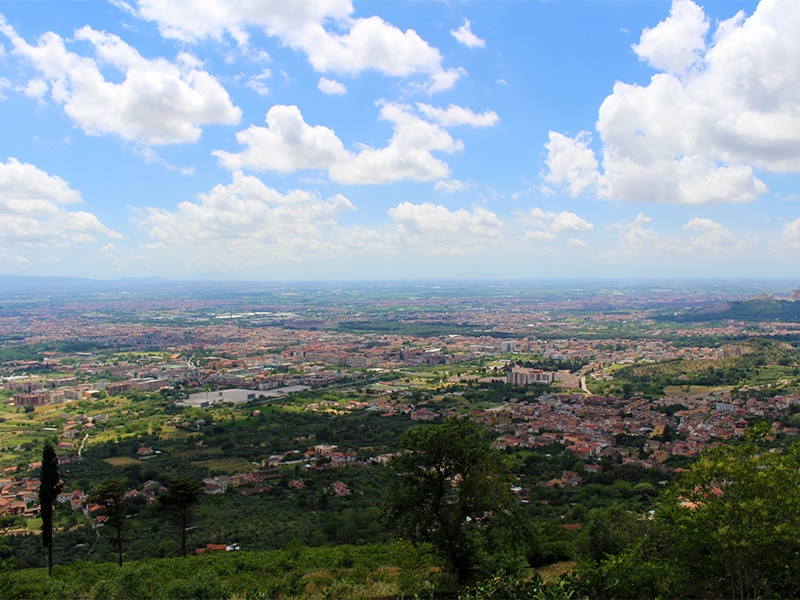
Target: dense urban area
(285, 411)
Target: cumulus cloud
(721, 109)
(435, 229)
(286, 144)
(636, 236)
(449, 186)
(192, 20)
(571, 162)
(331, 87)
(33, 209)
(708, 235)
(407, 156)
(547, 225)
(249, 224)
(465, 36)
(370, 44)
(678, 42)
(157, 102)
(324, 31)
(289, 144)
(458, 115)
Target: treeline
(572, 365)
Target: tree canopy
(111, 496)
(451, 488)
(735, 518)
(177, 502)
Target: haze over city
(399, 140)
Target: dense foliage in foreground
(373, 571)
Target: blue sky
(290, 140)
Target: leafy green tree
(640, 570)
(735, 518)
(50, 486)
(451, 488)
(178, 501)
(608, 532)
(111, 496)
(622, 554)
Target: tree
(735, 518)
(608, 532)
(50, 487)
(111, 496)
(178, 502)
(451, 488)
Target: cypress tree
(49, 488)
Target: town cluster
(180, 348)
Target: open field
(689, 391)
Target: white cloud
(790, 235)
(709, 236)
(191, 20)
(465, 36)
(257, 83)
(14, 258)
(567, 221)
(286, 144)
(124, 6)
(152, 157)
(440, 81)
(449, 186)
(407, 156)
(24, 185)
(678, 42)
(547, 225)
(458, 115)
(331, 87)
(570, 161)
(251, 225)
(697, 133)
(157, 102)
(289, 144)
(366, 44)
(32, 209)
(370, 44)
(635, 236)
(36, 89)
(434, 229)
